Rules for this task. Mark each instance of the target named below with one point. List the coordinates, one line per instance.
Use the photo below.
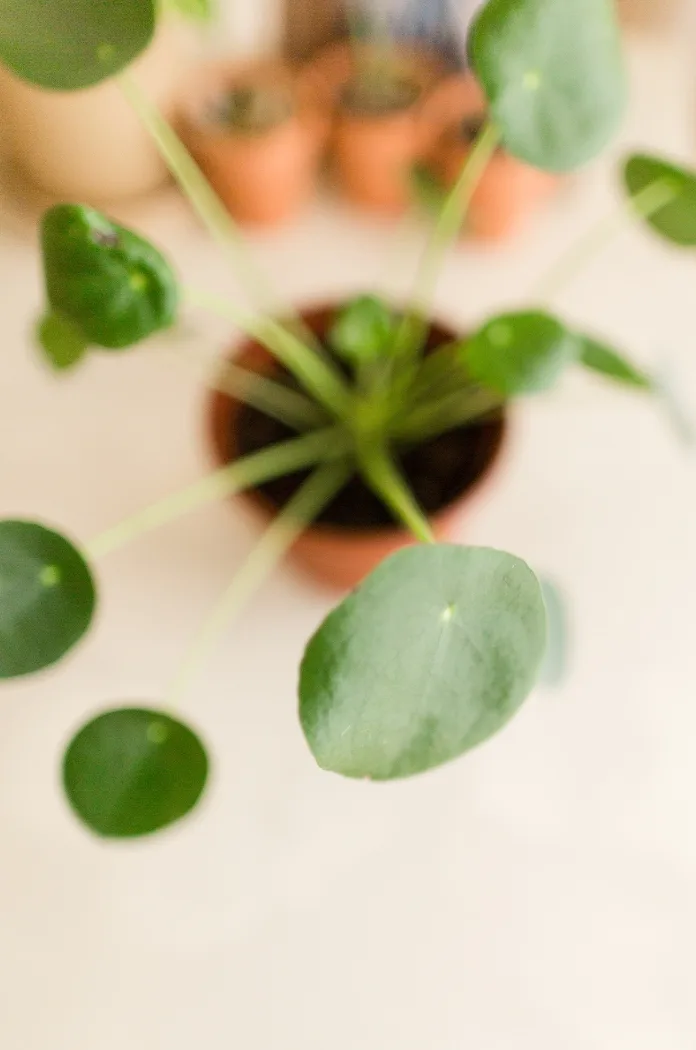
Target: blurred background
(540, 894)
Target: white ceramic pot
(89, 145)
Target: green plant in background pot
(439, 646)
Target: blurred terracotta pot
(338, 555)
(374, 151)
(264, 173)
(509, 190)
(648, 14)
(89, 145)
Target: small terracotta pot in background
(373, 153)
(509, 190)
(338, 556)
(263, 176)
(648, 14)
(89, 145)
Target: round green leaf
(363, 330)
(110, 283)
(64, 45)
(675, 220)
(554, 77)
(431, 655)
(61, 341)
(520, 353)
(47, 597)
(608, 363)
(132, 771)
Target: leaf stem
(455, 409)
(261, 392)
(203, 198)
(310, 500)
(330, 443)
(317, 376)
(650, 200)
(446, 229)
(385, 479)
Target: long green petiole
(384, 478)
(580, 254)
(311, 499)
(446, 229)
(268, 396)
(455, 409)
(301, 452)
(204, 199)
(322, 380)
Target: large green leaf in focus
(554, 77)
(133, 771)
(676, 219)
(113, 285)
(47, 597)
(429, 657)
(520, 353)
(64, 45)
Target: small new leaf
(676, 219)
(62, 342)
(363, 331)
(47, 597)
(111, 284)
(133, 771)
(64, 45)
(428, 658)
(520, 353)
(612, 365)
(553, 74)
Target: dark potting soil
(439, 471)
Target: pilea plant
(437, 649)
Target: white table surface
(538, 895)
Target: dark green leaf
(555, 664)
(62, 343)
(553, 75)
(131, 772)
(68, 44)
(363, 330)
(428, 190)
(520, 353)
(431, 655)
(46, 597)
(676, 219)
(110, 283)
(607, 362)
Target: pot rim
(219, 406)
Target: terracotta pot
(373, 154)
(341, 557)
(509, 190)
(89, 145)
(264, 178)
(648, 14)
